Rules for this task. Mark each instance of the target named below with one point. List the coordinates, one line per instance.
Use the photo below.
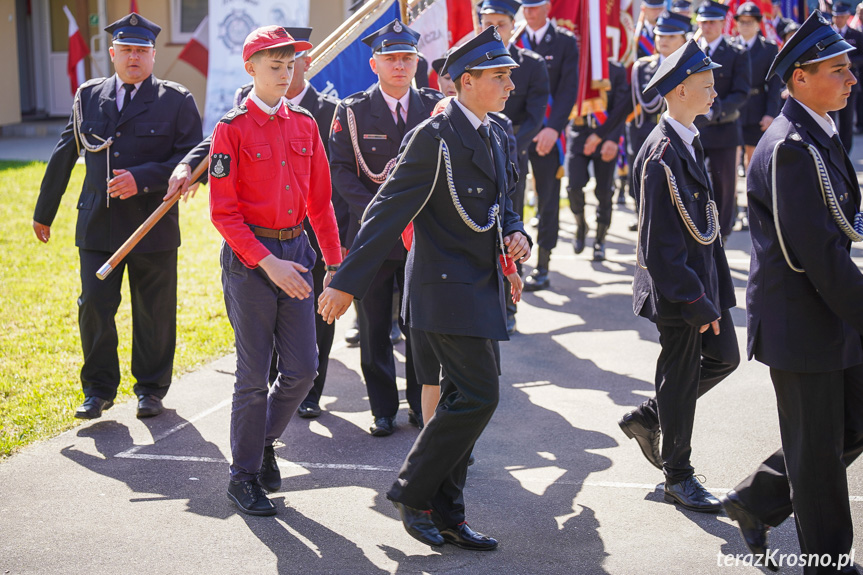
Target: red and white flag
(196, 52)
(78, 50)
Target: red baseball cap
(268, 37)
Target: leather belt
(282, 234)
(589, 121)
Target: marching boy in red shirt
(268, 170)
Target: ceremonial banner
(429, 18)
(78, 50)
(196, 51)
(230, 22)
(340, 65)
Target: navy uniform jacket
(559, 48)
(527, 102)
(159, 127)
(764, 96)
(453, 281)
(378, 140)
(812, 321)
(732, 83)
(855, 38)
(618, 101)
(685, 281)
(506, 124)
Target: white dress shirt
(826, 122)
(264, 107)
(536, 36)
(688, 135)
(121, 91)
(472, 118)
(299, 98)
(392, 102)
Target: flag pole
(318, 53)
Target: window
(185, 17)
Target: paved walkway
(556, 480)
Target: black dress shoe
(753, 531)
(309, 410)
(270, 478)
(691, 495)
(599, 252)
(510, 324)
(383, 426)
(648, 439)
(92, 408)
(396, 333)
(466, 538)
(250, 498)
(149, 406)
(415, 419)
(419, 525)
(537, 280)
(471, 460)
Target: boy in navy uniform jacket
(452, 179)
(803, 302)
(682, 281)
(268, 169)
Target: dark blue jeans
(262, 316)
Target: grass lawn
(39, 284)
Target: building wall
(10, 100)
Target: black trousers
(690, 364)
(576, 169)
(153, 289)
(844, 119)
(324, 334)
(821, 424)
(434, 472)
(545, 170)
(376, 349)
(722, 168)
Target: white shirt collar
(750, 43)
(391, 103)
(120, 91)
(539, 34)
(299, 97)
(687, 134)
(826, 124)
(712, 45)
(471, 117)
(264, 107)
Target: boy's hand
(517, 246)
(517, 285)
(333, 304)
(286, 275)
(181, 183)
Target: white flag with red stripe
(196, 52)
(78, 50)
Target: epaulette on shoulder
(300, 110)
(91, 82)
(565, 32)
(436, 123)
(532, 55)
(659, 149)
(178, 87)
(229, 117)
(328, 98)
(355, 98)
(431, 94)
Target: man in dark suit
(364, 141)
(845, 117)
(592, 141)
(803, 304)
(462, 222)
(559, 48)
(682, 282)
(135, 128)
(765, 98)
(526, 104)
(720, 128)
(323, 108)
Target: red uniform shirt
(270, 171)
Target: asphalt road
(556, 481)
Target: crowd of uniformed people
(411, 199)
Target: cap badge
(822, 20)
(496, 35)
(435, 125)
(133, 20)
(397, 27)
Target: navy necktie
(485, 134)
(127, 99)
(400, 122)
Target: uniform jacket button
(287, 187)
(117, 134)
(152, 131)
(443, 276)
(283, 162)
(146, 189)
(258, 154)
(116, 154)
(304, 150)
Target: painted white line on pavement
(359, 467)
(175, 429)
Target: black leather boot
(599, 244)
(580, 233)
(538, 278)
